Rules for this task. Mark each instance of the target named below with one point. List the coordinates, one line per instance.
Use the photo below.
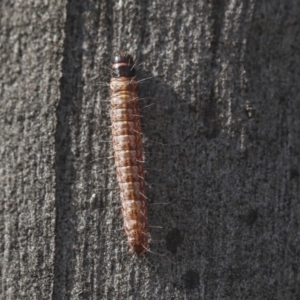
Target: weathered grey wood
(31, 51)
(221, 126)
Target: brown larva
(128, 151)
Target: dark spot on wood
(294, 174)
(282, 100)
(250, 217)
(191, 279)
(174, 239)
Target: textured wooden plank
(222, 148)
(31, 52)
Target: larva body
(128, 151)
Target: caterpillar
(128, 151)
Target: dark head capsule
(123, 65)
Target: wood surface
(221, 125)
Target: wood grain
(221, 125)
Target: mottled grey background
(221, 122)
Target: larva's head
(123, 65)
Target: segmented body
(128, 151)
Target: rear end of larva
(128, 151)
